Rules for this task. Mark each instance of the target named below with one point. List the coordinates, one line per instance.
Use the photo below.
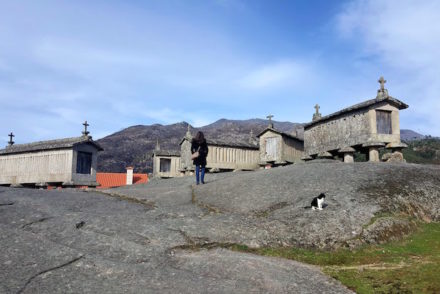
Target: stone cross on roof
(382, 82)
(270, 120)
(251, 137)
(85, 133)
(317, 108)
(188, 133)
(11, 135)
(316, 115)
(382, 92)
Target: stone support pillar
(373, 154)
(348, 154)
(306, 158)
(373, 150)
(325, 155)
(396, 152)
(348, 157)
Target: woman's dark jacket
(203, 152)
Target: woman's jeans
(200, 171)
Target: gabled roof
(280, 133)
(231, 144)
(50, 145)
(399, 104)
(166, 153)
(110, 180)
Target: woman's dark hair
(199, 138)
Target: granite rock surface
(171, 236)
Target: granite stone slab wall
(352, 128)
(84, 179)
(347, 130)
(36, 167)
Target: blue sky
(123, 63)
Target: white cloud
(199, 121)
(404, 36)
(275, 75)
(88, 59)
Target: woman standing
(198, 144)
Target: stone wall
(395, 124)
(185, 155)
(175, 167)
(347, 130)
(293, 150)
(350, 129)
(84, 179)
(221, 157)
(266, 155)
(37, 167)
(287, 149)
(232, 158)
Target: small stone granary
(166, 163)
(64, 162)
(278, 148)
(364, 127)
(222, 156)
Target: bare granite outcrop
(170, 236)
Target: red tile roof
(110, 180)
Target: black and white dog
(318, 201)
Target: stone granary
(222, 156)
(65, 162)
(166, 163)
(364, 127)
(278, 148)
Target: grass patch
(411, 265)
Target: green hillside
(426, 151)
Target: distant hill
(409, 135)
(133, 146)
(424, 151)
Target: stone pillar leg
(373, 154)
(396, 149)
(348, 153)
(348, 157)
(373, 150)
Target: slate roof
(50, 145)
(281, 133)
(396, 102)
(110, 180)
(166, 153)
(227, 143)
(232, 144)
